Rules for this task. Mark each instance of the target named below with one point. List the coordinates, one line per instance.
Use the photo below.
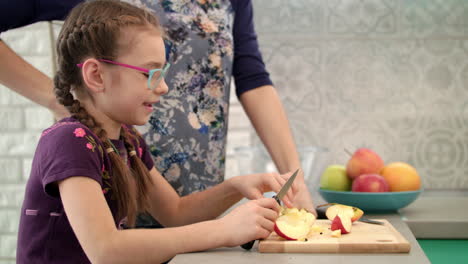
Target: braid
(143, 180)
(122, 183)
(92, 29)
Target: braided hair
(92, 29)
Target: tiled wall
(384, 74)
(391, 75)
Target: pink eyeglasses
(154, 75)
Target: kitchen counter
(239, 255)
(438, 215)
(435, 214)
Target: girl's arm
(93, 224)
(172, 210)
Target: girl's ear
(92, 75)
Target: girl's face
(126, 97)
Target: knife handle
(321, 212)
(248, 245)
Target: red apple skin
(370, 183)
(338, 224)
(281, 234)
(364, 161)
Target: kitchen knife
(321, 215)
(277, 197)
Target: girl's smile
(149, 106)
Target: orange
(401, 177)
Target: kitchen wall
(391, 75)
(384, 74)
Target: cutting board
(363, 238)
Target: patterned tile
(434, 18)
(365, 17)
(295, 69)
(291, 16)
(388, 75)
(366, 76)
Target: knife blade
(321, 215)
(284, 190)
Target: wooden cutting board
(363, 238)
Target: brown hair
(92, 29)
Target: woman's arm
(93, 224)
(28, 81)
(270, 121)
(252, 85)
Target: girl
(92, 172)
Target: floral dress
(186, 133)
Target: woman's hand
(253, 186)
(302, 198)
(250, 221)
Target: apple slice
(336, 233)
(353, 212)
(294, 225)
(342, 222)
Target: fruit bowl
(371, 202)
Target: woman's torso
(187, 131)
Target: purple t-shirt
(66, 149)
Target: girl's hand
(250, 221)
(253, 186)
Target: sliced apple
(342, 222)
(336, 233)
(353, 212)
(294, 224)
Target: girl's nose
(162, 88)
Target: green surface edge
(451, 251)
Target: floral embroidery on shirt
(140, 152)
(55, 126)
(105, 180)
(79, 132)
(91, 143)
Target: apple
(342, 222)
(334, 178)
(370, 183)
(294, 224)
(363, 161)
(336, 233)
(353, 212)
(401, 177)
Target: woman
(208, 42)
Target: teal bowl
(372, 202)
